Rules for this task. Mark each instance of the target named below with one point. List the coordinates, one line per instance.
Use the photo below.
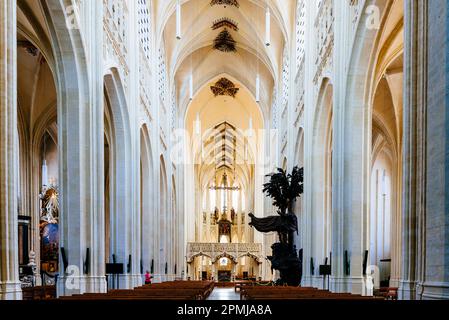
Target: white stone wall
(320, 101)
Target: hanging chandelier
(225, 3)
(224, 87)
(225, 22)
(225, 42)
(224, 185)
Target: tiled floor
(224, 294)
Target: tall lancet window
(213, 200)
(235, 199)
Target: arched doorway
(122, 231)
(38, 159)
(225, 266)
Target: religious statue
(216, 215)
(50, 206)
(28, 274)
(32, 259)
(49, 229)
(233, 215)
(284, 189)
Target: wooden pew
(392, 293)
(176, 290)
(39, 293)
(295, 293)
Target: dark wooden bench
(175, 290)
(295, 293)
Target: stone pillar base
(434, 291)
(358, 285)
(306, 281)
(10, 291)
(354, 285)
(407, 290)
(129, 281)
(136, 280)
(395, 283)
(159, 278)
(339, 284)
(67, 286)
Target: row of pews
(389, 293)
(39, 293)
(294, 293)
(238, 285)
(174, 290)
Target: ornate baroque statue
(50, 206)
(284, 189)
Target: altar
(224, 262)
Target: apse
(224, 123)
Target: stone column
(207, 210)
(414, 140)
(80, 145)
(9, 263)
(352, 147)
(134, 98)
(434, 225)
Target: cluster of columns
(425, 217)
(80, 82)
(420, 238)
(9, 269)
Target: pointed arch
(147, 205)
(118, 135)
(163, 214)
(320, 214)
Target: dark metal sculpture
(284, 189)
(224, 87)
(225, 3)
(225, 22)
(225, 42)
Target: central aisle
(224, 294)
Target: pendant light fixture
(44, 164)
(268, 27)
(44, 173)
(191, 86)
(258, 88)
(198, 124)
(178, 19)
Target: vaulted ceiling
(194, 53)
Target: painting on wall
(50, 242)
(49, 230)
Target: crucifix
(224, 185)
